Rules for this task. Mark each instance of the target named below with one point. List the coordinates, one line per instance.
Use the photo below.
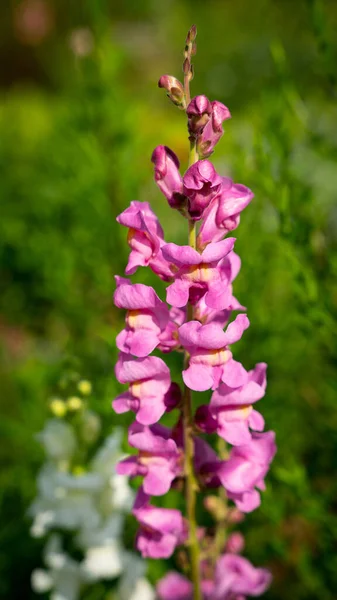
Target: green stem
(191, 486)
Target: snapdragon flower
(199, 324)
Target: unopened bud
(74, 403)
(186, 66)
(198, 112)
(58, 407)
(191, 35)
(235, 516)
(78, 470)
(167, 176)
(235, 543)
(174, 89)
(216, 507)
(84, 386)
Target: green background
(76, 136)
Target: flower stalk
(198, 323)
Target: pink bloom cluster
(201, 278)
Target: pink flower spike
(149, 380)
(159, 459)
(161, 529)
(167, 176)
(146, 319)
(145, 238)
(199, 275)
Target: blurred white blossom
(87, 500)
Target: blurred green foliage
(79, 117)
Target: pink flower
(210, 360)
(201, 185)
(230, 412)
(161, 529)
(235, 577)
(174, 586)
(222, 215)
(145, 238)
(205, 120)
(159, 460)
(167, 176)
(146, 319)
(198, 275)
(246, 469)
(150, 387)
(198, 112)
(169, 339)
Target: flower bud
(213, 130)
(235, 543)
(84, 386)
(235, 516)
(58, 407)
(191, 35)
(74, 403)
(198, 112)
(174, 89)
(167, 176)
(216, 507)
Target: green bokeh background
(76, 136)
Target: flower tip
(192, 34)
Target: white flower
(41, 581)
(91, 506)
(133, 585)
(58, 439)
(142, 591)
(103, 562)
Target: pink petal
(158, 480)
(234, 432)
(235, 329)
(181, 255)
(256, 421)
(234, 374)
(142, 342)
(122, 403)
(177, 293)
(198, 377)
(218, 250)
(151, 409)
(189, 334)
